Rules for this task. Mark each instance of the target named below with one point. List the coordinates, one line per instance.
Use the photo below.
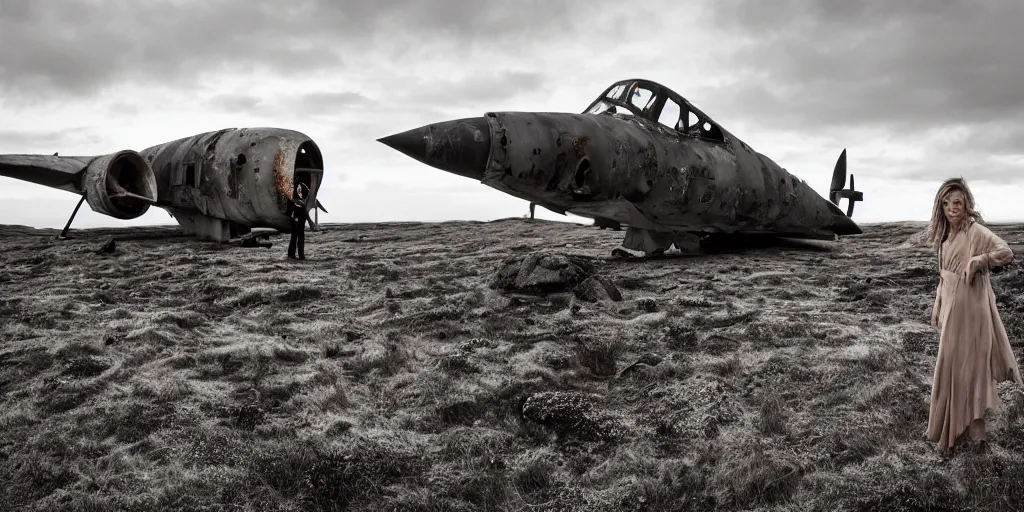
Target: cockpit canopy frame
(658, 104)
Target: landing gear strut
(64, 233)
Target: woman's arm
(994, 252)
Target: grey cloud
(330, 105)
(290, 106)
(973, 166)
(477, 89)
(838, 63)
(422, 98)
(328, 100)
(78, 48)
(46, 142)
(999, 137)
(236, 102)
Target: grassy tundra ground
(385, 374)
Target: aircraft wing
(61, 172)
(121, 185)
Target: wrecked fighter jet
(225, 185)
(643, 156)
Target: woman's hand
(935, 315)
(976, 264)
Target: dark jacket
(296, 211)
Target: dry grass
(385, 374)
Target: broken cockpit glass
(602, 107)
(656, 103)
(669, 116)
(641, 97)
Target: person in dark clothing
(297, 217)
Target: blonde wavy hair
(939, 227)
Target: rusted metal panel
(282, 176)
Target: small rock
(597, 289)
(542, 272)
(108, 248)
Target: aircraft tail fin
(837, 192)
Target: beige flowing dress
(974, 351)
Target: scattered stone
(597, 289)
(572, 415)
(542, 272)
(108, 248)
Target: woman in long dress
(974, 351)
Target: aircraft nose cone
(460, 147)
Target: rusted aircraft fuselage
(217, 185)
(678, 174)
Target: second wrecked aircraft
(220, 186)
(643, 156)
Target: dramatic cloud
(79, 48)
(916, 90)
(838, 63)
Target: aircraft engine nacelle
(121, 185)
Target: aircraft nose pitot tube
(459, 147)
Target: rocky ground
(509, 365)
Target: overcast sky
(916, 90)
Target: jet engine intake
(121, 185)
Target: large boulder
(542, 272)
